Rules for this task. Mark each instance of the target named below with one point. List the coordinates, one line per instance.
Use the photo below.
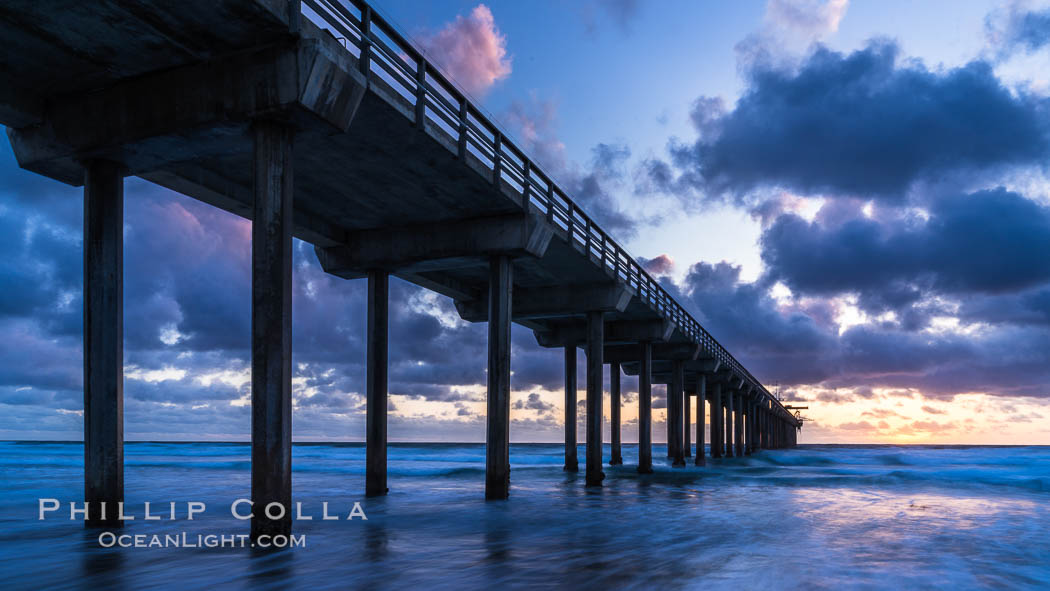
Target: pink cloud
(471, 50)
(661, 265)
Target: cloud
(592, 189)
(1016, 29)
(659, 265)
(534, 402)
(864, 124)
(989, 242)
(812, 18)
(471, 50)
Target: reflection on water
(814, 517)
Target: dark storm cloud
(990, 243)
(791, 344)
(747, 321)
(864, 124)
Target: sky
(851, 196)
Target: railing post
(421, 93)
(462, 147)
(364, 63)
(497, 164)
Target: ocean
(812, 517)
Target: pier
(318, 120)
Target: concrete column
(730, 423)
(669, 413)
(595, 389)
(738, 427)
(749, 426)
(497, 440)
(717, 421)
(572, 462)
(272, 326)
(614, 413)
(675, 396)
(701, 419)
(103, 341)
(645, 408)
(687, 425)
(376, 383)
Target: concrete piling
(687, 425)
(701, 419)
(376, 382)
(497, 452)
(595, 379)
(272, 325)
(730, 422)
(572, 462)
(614, 414)
(738, 426)
(103, 340)
(645, 408)
(717, 421)
(675, 403)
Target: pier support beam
(645, 408)
(272, 326)
(738, 427)
(595, 389)
(687, 425)
(572, 462)
(749, 418)
(675, 404)
(614, 413)
(730, 423)
(103, 341)
(701, 419)
(376, 382)
(717, 421)
(497, 440)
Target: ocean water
(813, 517)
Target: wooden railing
(383, 52)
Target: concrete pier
(272, 326)
(497, 441)
(701, 418)
(595, 388)
(614, 414)
(396, 173)
(645, 408)
(376, 382)
(676, 396)
(572, 462)
(103, 341)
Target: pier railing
(383, 52)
